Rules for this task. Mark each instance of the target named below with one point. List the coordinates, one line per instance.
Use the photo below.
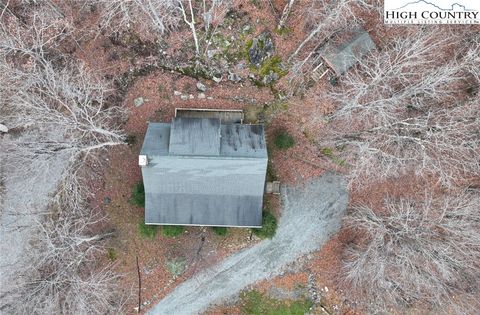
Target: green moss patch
(219, 230)
(147, 231)
(172, 230)
(283, 140)
(269, 226)
(138, 195)
(255, 303)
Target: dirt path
(311, 213)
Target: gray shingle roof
(213, 210)
(218, 182)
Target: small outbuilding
(201, 171)
(353, 46)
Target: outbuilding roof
(342, 57)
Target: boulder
(138, 101)
(269, 78)
(234, 77)
(201, 87)
(177, 93)
(3, 128)
(261, 49)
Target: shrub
(111, 254)
(172, 230)
(327, 151)
(138, 195)
(130, 140)
(269, 226)
(255, 303)
(147, 231)
(283, 140)
(176, 266)
(222, 231)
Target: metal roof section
(243, 141)
(195, 137)
(156, 140)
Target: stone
(247, 28)
(201, 95)
(138, 101)
(261, 49)
(3, 128)
(211, 53)
(177, 93)
(201, 87)
(184, 97)
(234, 77)
(209, 98)
(271, 77)
(241, 65)
(191, 96)
(216, 79)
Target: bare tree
(409, 73)
(400, 112)
(58, 118)
(325, 19)
(211, 13)
(285, 14)
(416, 254)
(159, 15)
(165, 15)
(443, 143)
(60, 273)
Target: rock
(241, 65)
(138, 101)
(209, 98)
(201, 95)
(3, 128)
(255, 53)
(234, 77)
(247, 28)
(191, 96)
(216, 79)
(269, 78)
(184, 97)
(211, 53)
(201, 87)
(177, 93)
(262, 48)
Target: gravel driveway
(311, 214)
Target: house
(204, 171)
(341, 57)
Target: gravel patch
(311, 213)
